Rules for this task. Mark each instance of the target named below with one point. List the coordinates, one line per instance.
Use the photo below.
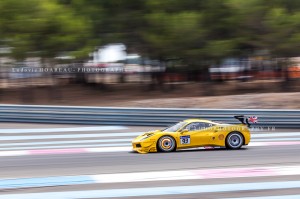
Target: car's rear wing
(243, 119)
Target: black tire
(166, 144)
(234, 140)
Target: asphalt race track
(42, 161)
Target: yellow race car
(194, 133)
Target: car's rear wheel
(234, 140)
(166, 144)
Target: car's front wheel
(166, 144)
(234, 140)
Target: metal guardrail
(285, 118)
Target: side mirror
(184, 131)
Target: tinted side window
(192, 126)
(208, 125)
(195, 126)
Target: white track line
(271, 197)
(21, 144)
(70, 136)
(286, 134)
(130, 134)
(247, 172)
(72, 129)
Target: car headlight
(147, 136)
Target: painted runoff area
(157, 191)
(106, 139)
(150, 176)
(112, 149)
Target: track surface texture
(75, 161)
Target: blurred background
(234, 57)
(171, 53)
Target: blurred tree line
(197, 32)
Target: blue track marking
(156, 191)
(43, 182)
(71, 129)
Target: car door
(196, 135)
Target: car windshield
(175, 127)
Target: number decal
(185, 139)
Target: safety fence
(279, 118)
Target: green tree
(43, 27)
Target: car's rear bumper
(247, 137)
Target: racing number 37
(185, 139)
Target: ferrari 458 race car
(194, 133)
